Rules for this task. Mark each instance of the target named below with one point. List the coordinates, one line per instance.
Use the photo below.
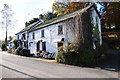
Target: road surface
(13, 66)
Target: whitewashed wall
(51, 38)
(51, 35)
(20, 35)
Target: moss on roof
(28, 27)
(61, 18)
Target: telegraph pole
(6, 30)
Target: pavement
(14, 66)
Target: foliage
(18, 50)
(32, 21)
(15, 43)
(86, 58)
(100, 53)
(75, 6)
(67, 54)
(7, 16)
(4, 47)
(65, 7)
(70, 54)
(25, 52)
(11, 50)
(59, 7)
(49, 15)
(112, 14)
(95, 30)
(26, 44)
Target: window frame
(33, 35)
(60, 29)
(42, 33)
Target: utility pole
(6, 30)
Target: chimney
(26, 24)
(41, 18)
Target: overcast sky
(24, 11)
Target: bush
(86, 58)
(72, 55)
(100, 53)
(67, 54)
(82, 57)
(25, 52)
(15, 43)
(18, 50)
(4, 47)
(10, 50)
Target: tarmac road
(13, 66)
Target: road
(13, 66)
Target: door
(60, 44)
(44, 46)
(38, 46)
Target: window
(42, 33)
(60, 29)
(18, 37)
(30, 44)
(23, 36)
(44, 46)
(33, 35)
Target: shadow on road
(16, 71)
(112, 62)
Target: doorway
(38, 46)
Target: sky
(24, 10)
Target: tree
(59, 7)
(7, 16)
(111, 14)
(65, 7)
(33, 20)
(75, 6)
(49, 15)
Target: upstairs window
(23, 36)
(18, 37)
(42, 33)
(60, 29)
(33, 36)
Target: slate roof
(61, 18)
(57, 19)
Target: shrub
(10, 50)
(18, 50)
(25, 52)
(67, 54)
(100, 53)
(82, 57)
(4, 47)
(86, 58)
(15, 43)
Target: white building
(60, 31)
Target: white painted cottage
(49, 35)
